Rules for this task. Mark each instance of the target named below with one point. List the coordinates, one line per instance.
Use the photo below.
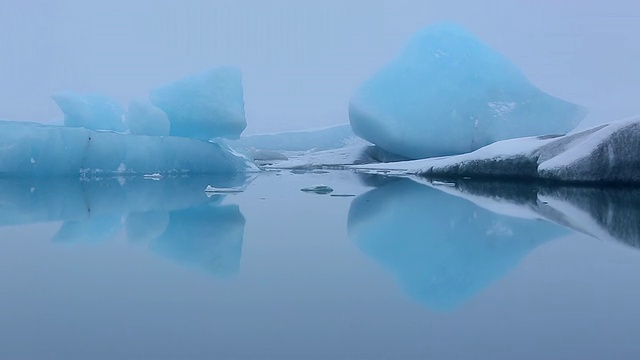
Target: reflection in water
(608, 213)
(443, 249)
(174, 216)
(207, 236)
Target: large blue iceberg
(29, 149)
(90, 111)
(204, 106)
(448, 93)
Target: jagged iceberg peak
(90, 111)
(204, 106)
(448, 93)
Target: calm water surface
(148, 269)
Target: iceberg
(30, 149)
(332, 146)
(144, 118)
(204, 106)
(90, 111)
(448, 93)
(332, 137)
(605, 154)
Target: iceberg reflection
(174, 217)
(605, 213)
(443, 249)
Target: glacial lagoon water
(403, 269)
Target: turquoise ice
(204, 106)
(29, 149)
(144, 118)
(448, 93)
(90, 111)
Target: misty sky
(301, 60)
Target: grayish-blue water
(148, 269)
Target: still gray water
(159, 269)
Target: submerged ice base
(29, 149)
(448, 93)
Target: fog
(301, 60)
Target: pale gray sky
(301, 60)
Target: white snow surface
(579, 151)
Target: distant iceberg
(331, 137)
(447, 93)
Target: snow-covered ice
(213, 189)
(204, 106)
(606, 153)
(448, 93)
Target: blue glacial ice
(29, 149)
(204, 106)
(448, 93)
(144, 118)
(90, 111)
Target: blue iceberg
(448, 93)
(144, 118)
(90, 111)
(29, 149)
(204, 106)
